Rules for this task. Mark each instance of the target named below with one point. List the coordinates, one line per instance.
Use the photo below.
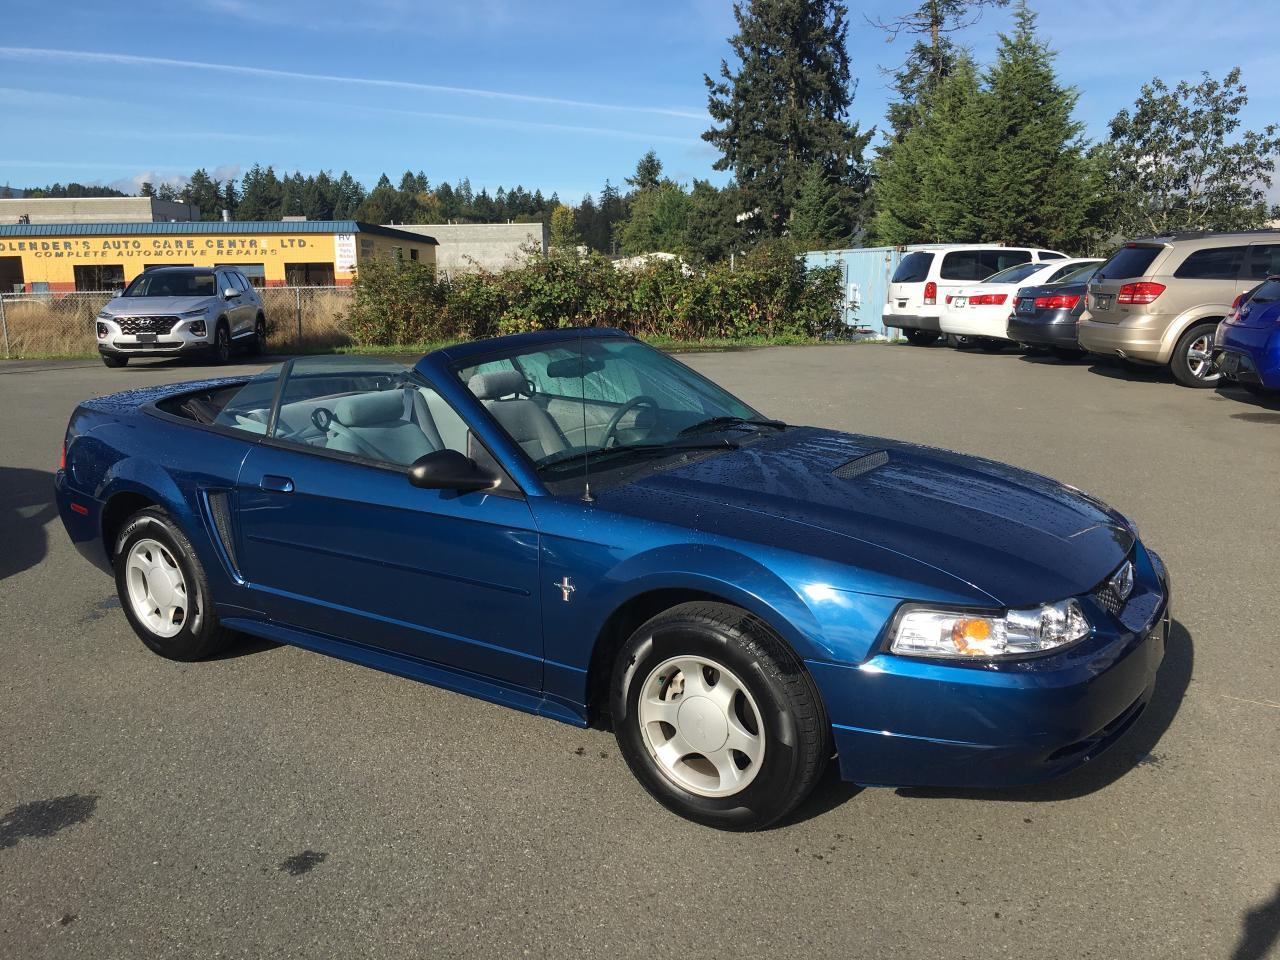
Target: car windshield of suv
(175, 283)
(1014, 274)
(589, 398)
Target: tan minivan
(1158, 301)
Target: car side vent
(860, 465)
(220, 511)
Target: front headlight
(922, 632)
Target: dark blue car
(579, 526)
(1247, 343)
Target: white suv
(919, 288)
(176, 311)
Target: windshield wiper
(673, 446)
(718, 423)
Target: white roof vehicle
(982, 310)
(924, 277)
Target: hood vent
(860, 465)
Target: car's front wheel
(1192, 362)
(921, 338)
(717, 717)
(221, 344)
(163, 589)
(259, 341)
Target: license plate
(1102, 301)
(959, 301)
(902, 304)
(1027, 305)
(146, 338)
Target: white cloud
(131, 60)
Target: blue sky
(555, 95)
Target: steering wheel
(611, 431)
(322, 417)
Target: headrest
(501, 383)
(365, 409)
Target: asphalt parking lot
(277, 803)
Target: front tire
(259, 342)
(221, 354)
(1192, 362)
(921, 338)
(163, 590)
(717, 717)
(113, 361)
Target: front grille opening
(136, 325)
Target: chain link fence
(62, 324)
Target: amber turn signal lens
(970, 634)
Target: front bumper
(902, 721)
(179, 339)
(1057, 329)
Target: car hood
(1020, 538)
(156, 306)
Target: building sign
(344, 252)
(182, 249)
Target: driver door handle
(276, 483)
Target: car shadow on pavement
(1135, 748)
(26, 506)
(830, 792)
(244, 645)
(1114, 369)
(1266, 409)
(1261, 931)
(1053, 360)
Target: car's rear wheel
(717, 717)
(921, 338)
(113, 361)
(1192, 362)
(163, 589)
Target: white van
(919, 288)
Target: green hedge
(769, 293)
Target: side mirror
(450, 470)
(230, 293)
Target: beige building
(94, 210)
(464, 247)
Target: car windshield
(587, 398)
(1014, 274)
(172, 283)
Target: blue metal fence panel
(866, 272)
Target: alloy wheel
(701, 725)
(1200, 357)
(157, 589)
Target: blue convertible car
(576, 525)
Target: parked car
(574, 524)
(980, 313)
(1044, 317)
(1158, 301)
(919, 287)
(1247, 342)
(181, 311)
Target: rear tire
(163, 590)
(921, 338)
(1192, 362)
(687, 690)
(114, 362)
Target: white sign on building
(344, 252)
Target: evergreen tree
(648, 172)
(713, 232)
(658, 222)
(1034, 176)
(817, 219)
(925, 185)
(202, 190)
(1178, 162)
(785, 106)
(260, 195)
(147, 189)
(382, 205)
